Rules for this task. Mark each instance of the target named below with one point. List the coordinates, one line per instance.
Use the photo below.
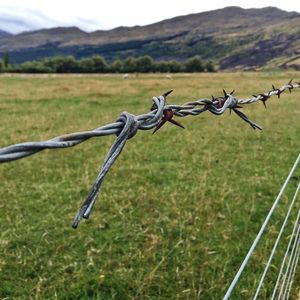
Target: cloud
(16, 20)
(20, 19)
(90, 15)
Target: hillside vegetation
(234, 38)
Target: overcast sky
(23, 15)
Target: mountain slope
(233, 37)
(4, 34)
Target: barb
(127, 125)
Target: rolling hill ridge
(4, 34)
(234, 38)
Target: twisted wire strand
(290, 266)
(261, 231)
(279, 277)
(276, 243)
(127, 125)
(294, 270)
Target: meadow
(179, 209)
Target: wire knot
(131, 123)
(231, 102)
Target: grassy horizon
(177, 212)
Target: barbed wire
(127, 125)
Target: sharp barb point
(160, 124)
(264, 103)
(176, 123)
(167, 93)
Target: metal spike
(168, 115)
(167, 93)
(232, 92)
(264, 103)
(161, 123)
(176, 123)
(278, 91)
(225, 94)
(290, 85)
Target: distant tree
(85, 65)
(6, 59)
(129, 65)
(116, 66)
(50, 63)
(161, 66)
(194, 64)
(99, 64)
(144, 64)
(94, 64)
(68, 65)
(172, 66)
(210, 67)
(30, 67)
(60, 64)
(175, 66)
(1, 66)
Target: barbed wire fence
(127, 125)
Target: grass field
(179, 209)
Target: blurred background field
(177, 212)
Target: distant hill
(4, 34)
(232, 37)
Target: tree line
(97, 64)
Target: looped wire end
(130, 128)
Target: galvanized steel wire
(290, 269)
(292, 238)
(294, 253)
(276, 243)
(127, 125)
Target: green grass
(179, 209)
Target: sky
(90, 15)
